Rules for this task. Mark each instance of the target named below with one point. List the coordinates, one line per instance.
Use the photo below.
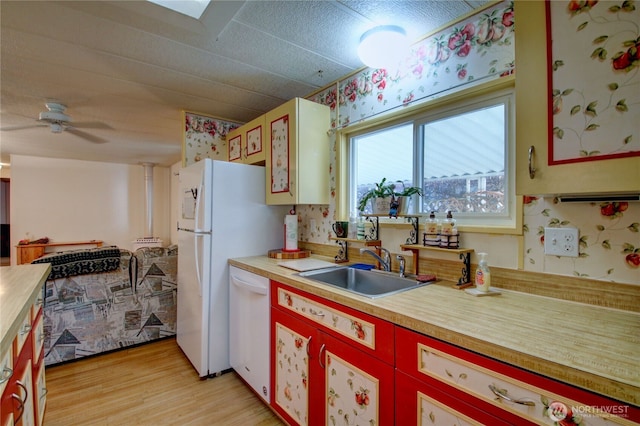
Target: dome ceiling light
(383, 46)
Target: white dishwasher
(249, 329)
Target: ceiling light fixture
(383, 46)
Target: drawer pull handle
(6, 375)
(501, 395)
(316, 313)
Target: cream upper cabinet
(532, 124)
(247, 142)
(297, 160)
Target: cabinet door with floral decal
(358, 388)
(281, 158)
(418, 403)
(253, 139)
(292, 346)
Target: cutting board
(302, 265)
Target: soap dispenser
(483, 274)
(431, 231)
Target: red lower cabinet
(22, 377)
(418, 403)
(455, 379)
(319, 374)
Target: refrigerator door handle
(262, 290)
(197, 256)
(199, 193)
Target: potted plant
(403, 197)
(380, 197)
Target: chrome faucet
(384, 262)
(402, 261)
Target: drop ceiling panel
(135, 65)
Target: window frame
(464, 100)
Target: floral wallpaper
(205, 137)
(609, 237)
(609, 247)
(595, 118)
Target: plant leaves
(591, 109)
(606, 244)
(582, 26)
(628, 139)
(613, 86)
(592, 127)
(600, 39)
(576, 109)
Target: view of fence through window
(462, 166)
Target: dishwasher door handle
(262, 290)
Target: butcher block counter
(19, 286)
(591, 347)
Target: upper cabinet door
(234, 142)
(254, 151)
(297, 157)
(246, 143)
(534, 175)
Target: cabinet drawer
(507, 388)
(23, 333)
(38, 339)
(420, 403)
(6, 369)
(370, 334)
(36, 305)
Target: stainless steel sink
(371, 284)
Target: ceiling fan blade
(86, 136)
(30, 126)
(91, 125)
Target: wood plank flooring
(152, 384)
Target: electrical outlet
(561, 241)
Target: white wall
(72, 200)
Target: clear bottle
(360, 229)
(353, 226)
(448, 225)
(483, 274)
(432, 231)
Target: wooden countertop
(18, 288)
(587, 346)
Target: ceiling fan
(56, 119)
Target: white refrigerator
(222, 215)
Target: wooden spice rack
(463, 253)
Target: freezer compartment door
(194, 276)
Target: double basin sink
(373, 283)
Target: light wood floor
(153, 384)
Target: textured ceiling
(128, 68)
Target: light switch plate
(561, 241)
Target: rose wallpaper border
(204, 137)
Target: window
(461, 156)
